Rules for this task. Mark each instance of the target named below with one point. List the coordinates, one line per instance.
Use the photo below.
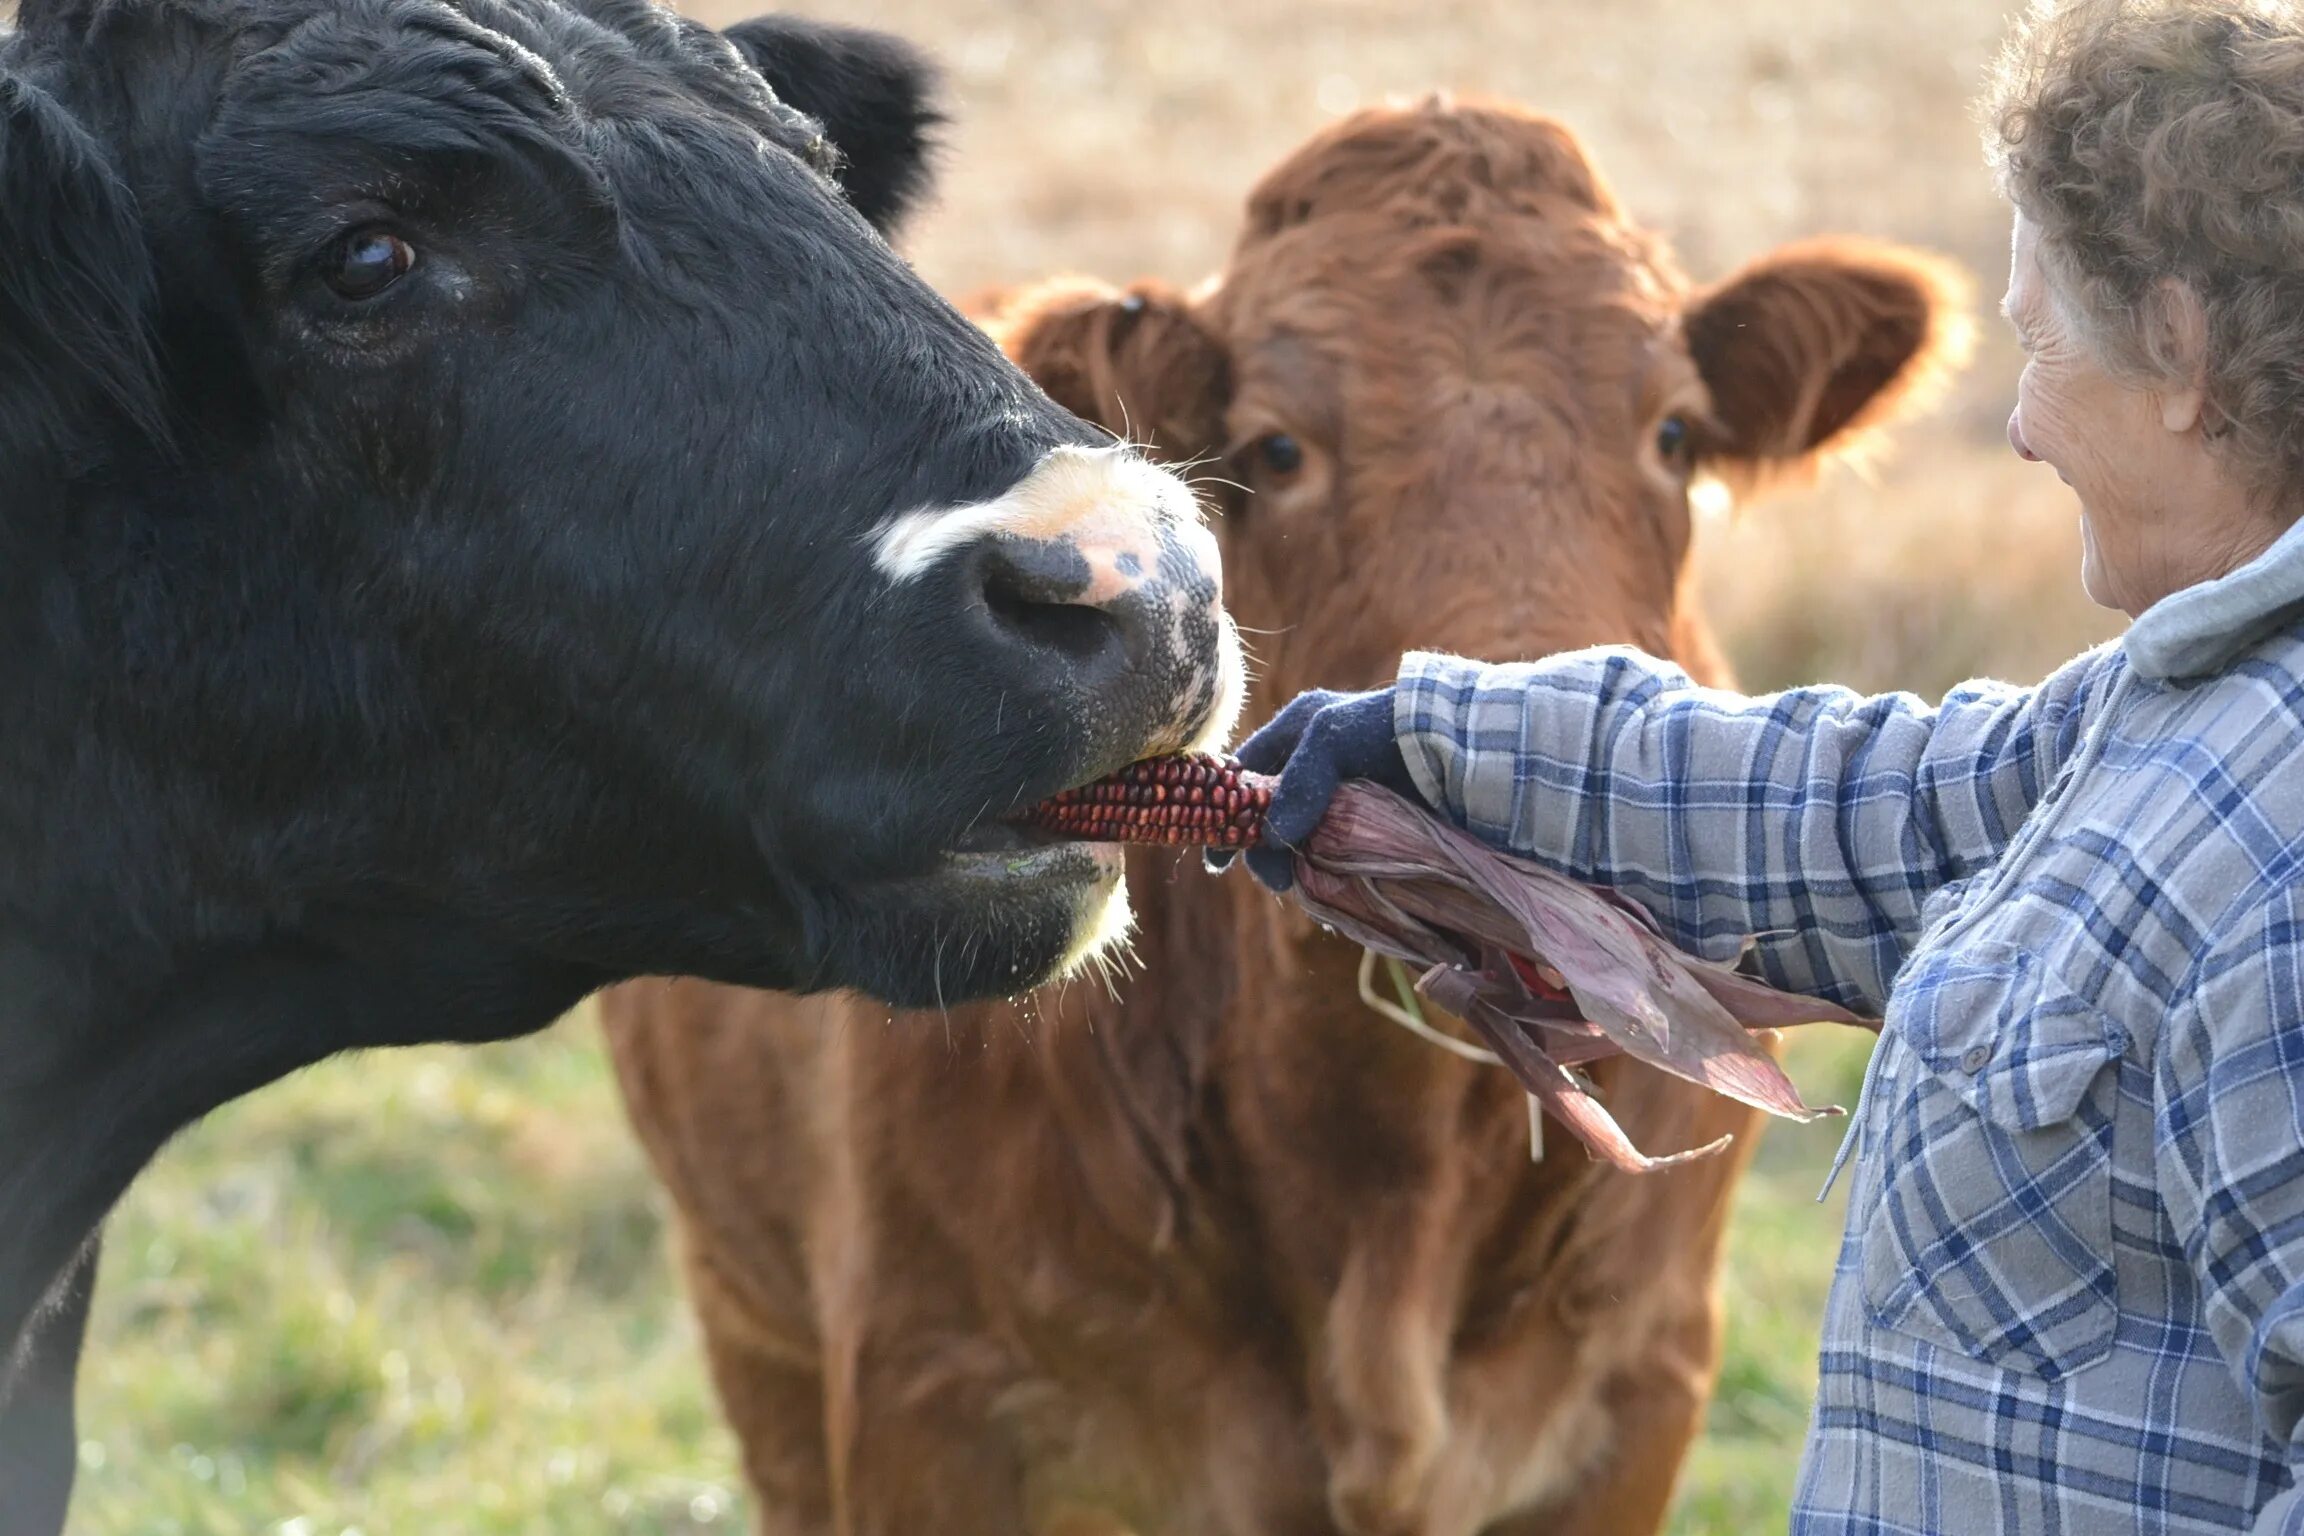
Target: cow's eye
(1281, 454)
(1672, 440)
(366, 262)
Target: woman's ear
(2179, 341)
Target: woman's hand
(1316, 743)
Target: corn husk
(1549, 973)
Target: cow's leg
(777, 1413)
(1656, 1412)
(881, 1464)
(933, 1462)
(1083, 1522)
(39, 1445)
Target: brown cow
(1216, 1250)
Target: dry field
(425, 1293)
(1120, 140)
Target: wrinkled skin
(1222, 1252)
(484, 513)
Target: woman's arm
(2227, 1086)
(1818, 819)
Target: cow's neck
(144, 979)
(107, 1050)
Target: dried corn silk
(1549, 973)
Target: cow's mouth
(1014, 851)
(1003, 837)
(1003, 909)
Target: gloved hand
(1316, 743)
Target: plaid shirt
(2070, 1296)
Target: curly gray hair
(2164, 139)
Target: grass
(427, 1292)
(1781, 1247)
(422, 1291)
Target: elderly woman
(2070, 1297)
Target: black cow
(481, 517)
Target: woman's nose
(2016, 437)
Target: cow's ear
(1815, 347)
(75, 282)
(874, 94)
(1135, 361)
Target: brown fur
(1215, 1250)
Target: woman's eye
(1672, 439)
(1281, 453)
(368, 261)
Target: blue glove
(1316, 743)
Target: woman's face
(2104, 438)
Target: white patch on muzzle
(1109, 496)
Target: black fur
(873, 93)
(374, 673)
(76, 286)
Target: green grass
(1738, 1481)
(422, 1291)
(427, 1291)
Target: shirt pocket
(1992, 1228)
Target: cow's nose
(1035, 592)
(1098, 563)
(1110, 570)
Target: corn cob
(1195, 801)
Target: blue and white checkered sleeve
(1817, 820)
(2228, 1096)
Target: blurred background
(427, 1292)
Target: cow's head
(471, 457)
(1464, 397)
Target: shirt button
(1974, 1059)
